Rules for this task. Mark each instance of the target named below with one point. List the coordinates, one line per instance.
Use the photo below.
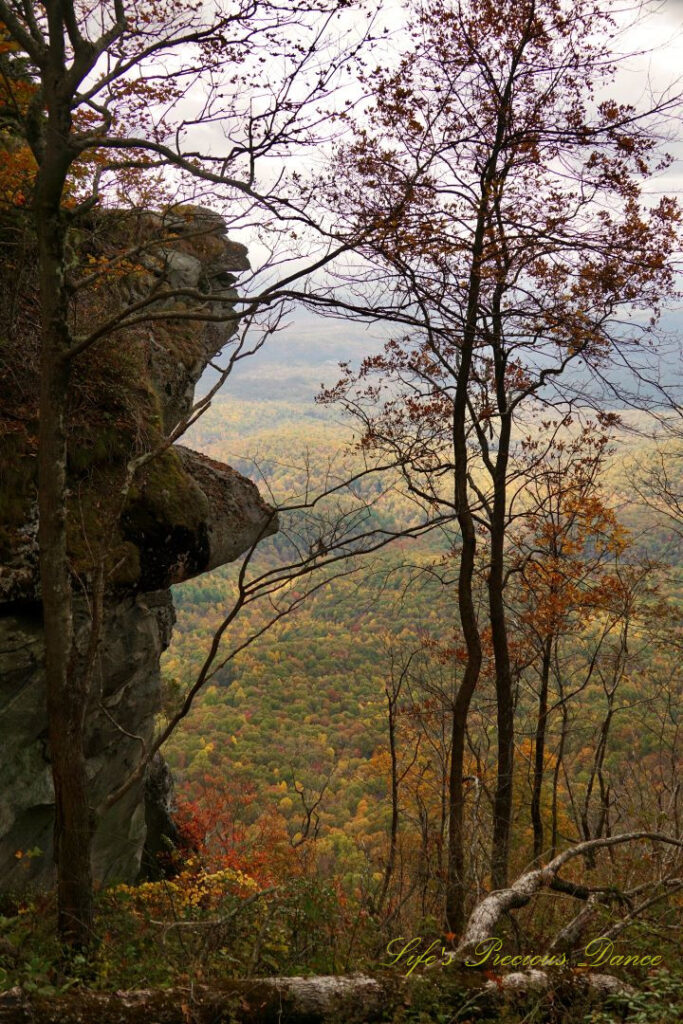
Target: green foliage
(659, 1001)
(210, 926)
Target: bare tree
(519, 199)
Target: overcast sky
(656, 64)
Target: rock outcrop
(137, 629)
(184, 515)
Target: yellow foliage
(189, 890)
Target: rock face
(185, 515)
(127, 699)
(228, 513)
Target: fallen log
(353, 999)
(486, 916)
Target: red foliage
(226, 830)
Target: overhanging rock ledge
(187, 514)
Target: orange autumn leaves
(569, 549)
(133, 102)
(17, 91)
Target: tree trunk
(455, 883)
(455, 876)
(66, 687)
(455, 879)
(502, 805)
(554, 840)
(539, 750)
(393, 834)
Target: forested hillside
(341, 512)
(301, 719)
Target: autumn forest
(340, 511)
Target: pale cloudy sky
(655, 42)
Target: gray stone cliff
(187, 515)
